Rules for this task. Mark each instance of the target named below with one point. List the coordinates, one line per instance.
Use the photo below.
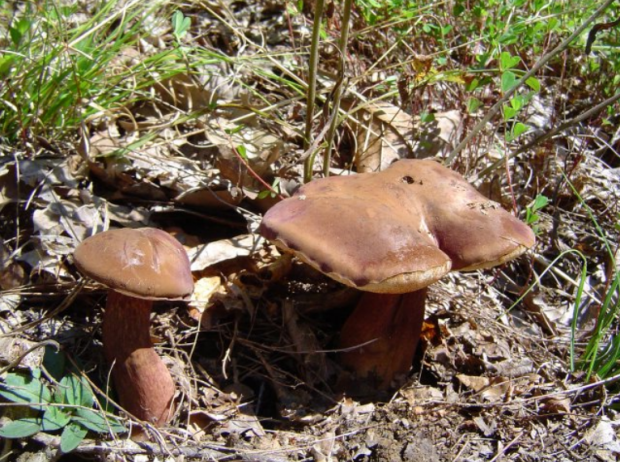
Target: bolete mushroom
(391, 234)
(138, 266)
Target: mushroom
(138, 266)
(391, 234)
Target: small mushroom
(391, 234)
(138, 266)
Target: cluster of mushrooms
(389, 234)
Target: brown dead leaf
(204, 289)
(211, 197)
(416, 396)
(492, 389)
(555, 405)
(383, 134)
(12, 274)
(12, 348)
(207, 255)
(305, 345)
(244, 154)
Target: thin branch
(342, 48)
(311, 95)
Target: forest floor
(253, 354)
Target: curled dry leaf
(385, 133)
(492, 389)
(12, 348)
(9, 190)
(604, 435)
(12, 274)
(209, 254)
(417, 396)
(555, 405)
(204, 289)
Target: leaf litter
(253, 350)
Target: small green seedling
(273, 192)
(531, 211)
(180, 24)
(66, 407)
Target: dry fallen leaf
(492, 389)
(604, 436)
(556, 405)
(209, 254)
(11, 348)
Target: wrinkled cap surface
(395, 231)
(145, 263)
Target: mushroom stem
(142, 380)
(393, 324)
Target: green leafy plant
(508, 80)
(66, 407)
(273, 192)
(531, 211)
(180, 24)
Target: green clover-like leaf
(509, 80)
(71, 437)
(97, 422)
(23, 388)
(75, 391)
(21, 428)
(54, 418)
(507, 61)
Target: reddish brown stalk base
(143, 382)
(395, 321)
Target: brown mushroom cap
(398, 230)
(145, 263)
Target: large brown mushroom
(138, 266)
(391, 234)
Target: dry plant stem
(395, 321)
(312, 71)
(539, 64)
(342, 48)
(142, 380)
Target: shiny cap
(144, 263)
(395, 231)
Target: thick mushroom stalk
(139, 266)
(381, 336)
(142, 380)
(392, 233)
